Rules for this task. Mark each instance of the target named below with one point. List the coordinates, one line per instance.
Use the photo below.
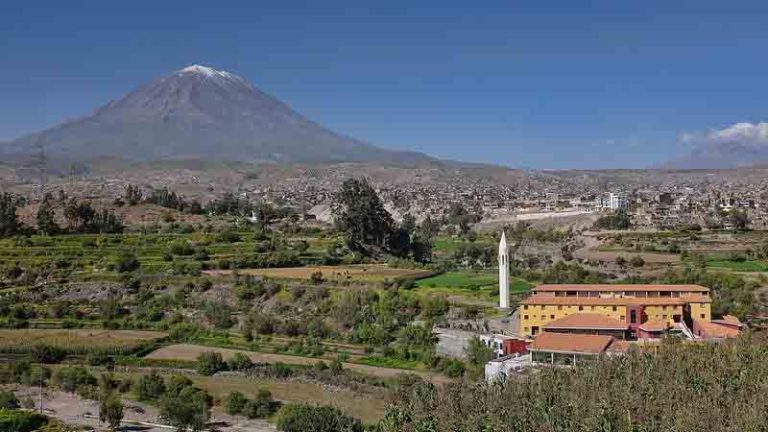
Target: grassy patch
(739, 266)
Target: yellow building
(631, 304)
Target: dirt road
(73, 410)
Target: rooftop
(571, 343)
(614, 301)
(654, 326)
(620, 287)
(594, 321)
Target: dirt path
(191, 352)
(73, 410)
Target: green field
(469, 281)
(738, 266)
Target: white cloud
(753, 135)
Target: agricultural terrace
(342, 273)
(77, 340)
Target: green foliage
(240, 362)
(235, 403)
(71, 378)
(361, 217)
(9, 222)
(8, 400)
(307, 418)
(210, 362)
(111, 410)
(20, 421)
(126, 262)
(150, 387)
(190, 408)
(46, 220)
(680, 386)
(617, 221)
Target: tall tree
(46, 222)
(361, 216)
(9, 221)
(111, 410)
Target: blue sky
(542, 84)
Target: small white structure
(503, 272)
(502, 367)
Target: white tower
(503, 272)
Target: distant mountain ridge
(201, 112)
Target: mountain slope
(200, 112)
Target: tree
(111, 410)
(151, 387)
(188, 409)
(739, 219)
(46, 221)
(210, 362)
(637, 261)
(9, 221)
(133, 194)
(307, 418)
(477, 352)
(235, 403)
(361, 217)
(240, 362)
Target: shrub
(188, 409)
(20, 421)
(150, 387)
(235, 403)
(73, 377)
(126, 262)
(210, 362)
(240, 362)
(307, 418)
(8, 400)
(262, 406)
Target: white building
(615, 201)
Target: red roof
(541, 299)
(620, 287)
(715, 330)
(655, 326)
(570, 343)
(594, 321)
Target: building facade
(634, 305)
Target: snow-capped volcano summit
(201, 112)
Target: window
(703, 316)
(581, 308)
(525, 317)
(559, 308)
(623, 317)
(543, 317)
(525, 307)
(633, 316)
(551, 317)
(664, 316)
(614, 308)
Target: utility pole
(41, 388)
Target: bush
(240, 362)
(126, 262)
(210, 362)
(150, 387)
(72, 378)
(20, 421)
(235, 403)
(261, 407)
(8, 400)
(188, 409)
(307, 418)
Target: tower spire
(503, 272)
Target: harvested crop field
(191, 352)
(370, 273)
(73, 340)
